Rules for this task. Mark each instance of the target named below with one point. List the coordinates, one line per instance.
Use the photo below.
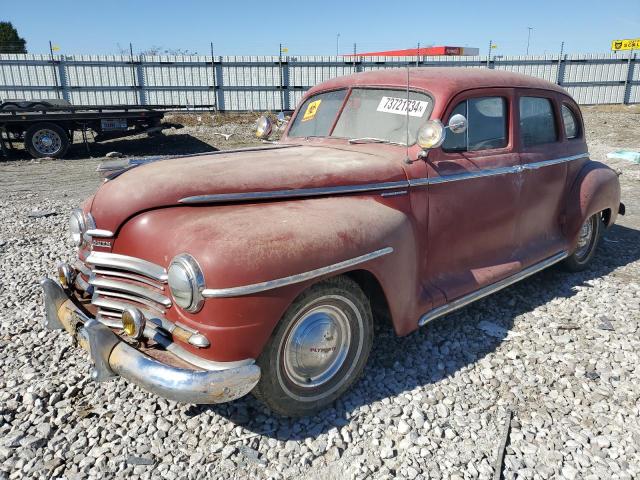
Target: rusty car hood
(166, 182)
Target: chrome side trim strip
(489, 289)
(490, 172)
(132, 264)
(136, 290)
(97, 232)
(369, 187)
(300, 277)
(293, 193)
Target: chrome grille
(120, 282)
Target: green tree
(10, 41)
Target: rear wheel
(318, 349)
(46, 140)
(588, 240)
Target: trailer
(47, 129)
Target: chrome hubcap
(47, 142)
(584, 239)
(317, 346)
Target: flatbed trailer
(47, 130)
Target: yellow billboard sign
(627, 44)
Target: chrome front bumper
(112, 356)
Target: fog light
(66, 275)
(133, 322)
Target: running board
(489, 289)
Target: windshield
(368, 115)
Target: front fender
(595, 189)
(244, 244)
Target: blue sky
(310, 28)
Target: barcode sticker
(400, 105)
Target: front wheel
(318, 350)
(588, 240)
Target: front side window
(537, 122)
(487, 125)
(369, 114)
(570, 121)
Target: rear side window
(537, 122)
(487, 125)
(571, 125)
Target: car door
(474, 188)
(543, 154)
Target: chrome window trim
(372, 187)
(132, 264)
(292, 279)
(489, 289)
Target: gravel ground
(560, 351)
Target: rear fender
(596, 188)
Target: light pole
(337, 44)
(528, 38)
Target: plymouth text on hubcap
(317, 346)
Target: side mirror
(458, 123)
(264, 127)
(281, 117)
(431, 134)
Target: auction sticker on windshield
(399, 106)
(311, 110)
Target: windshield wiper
(372, 140)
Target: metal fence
(259, 83)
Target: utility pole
(281, 80)
(55, 72)
(133, 75)
(418, 56)
(354, 57)
(528, 38)
(337, 44)
(489, 55)
(213, 75)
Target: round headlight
(77, 226)
(186, 282)
(264, 126)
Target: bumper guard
(113, 357)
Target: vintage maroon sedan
(210, 276)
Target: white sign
(399, 106)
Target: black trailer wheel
(318, 350)
(46, 140)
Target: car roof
(443, 82)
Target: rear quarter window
(572, 127)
